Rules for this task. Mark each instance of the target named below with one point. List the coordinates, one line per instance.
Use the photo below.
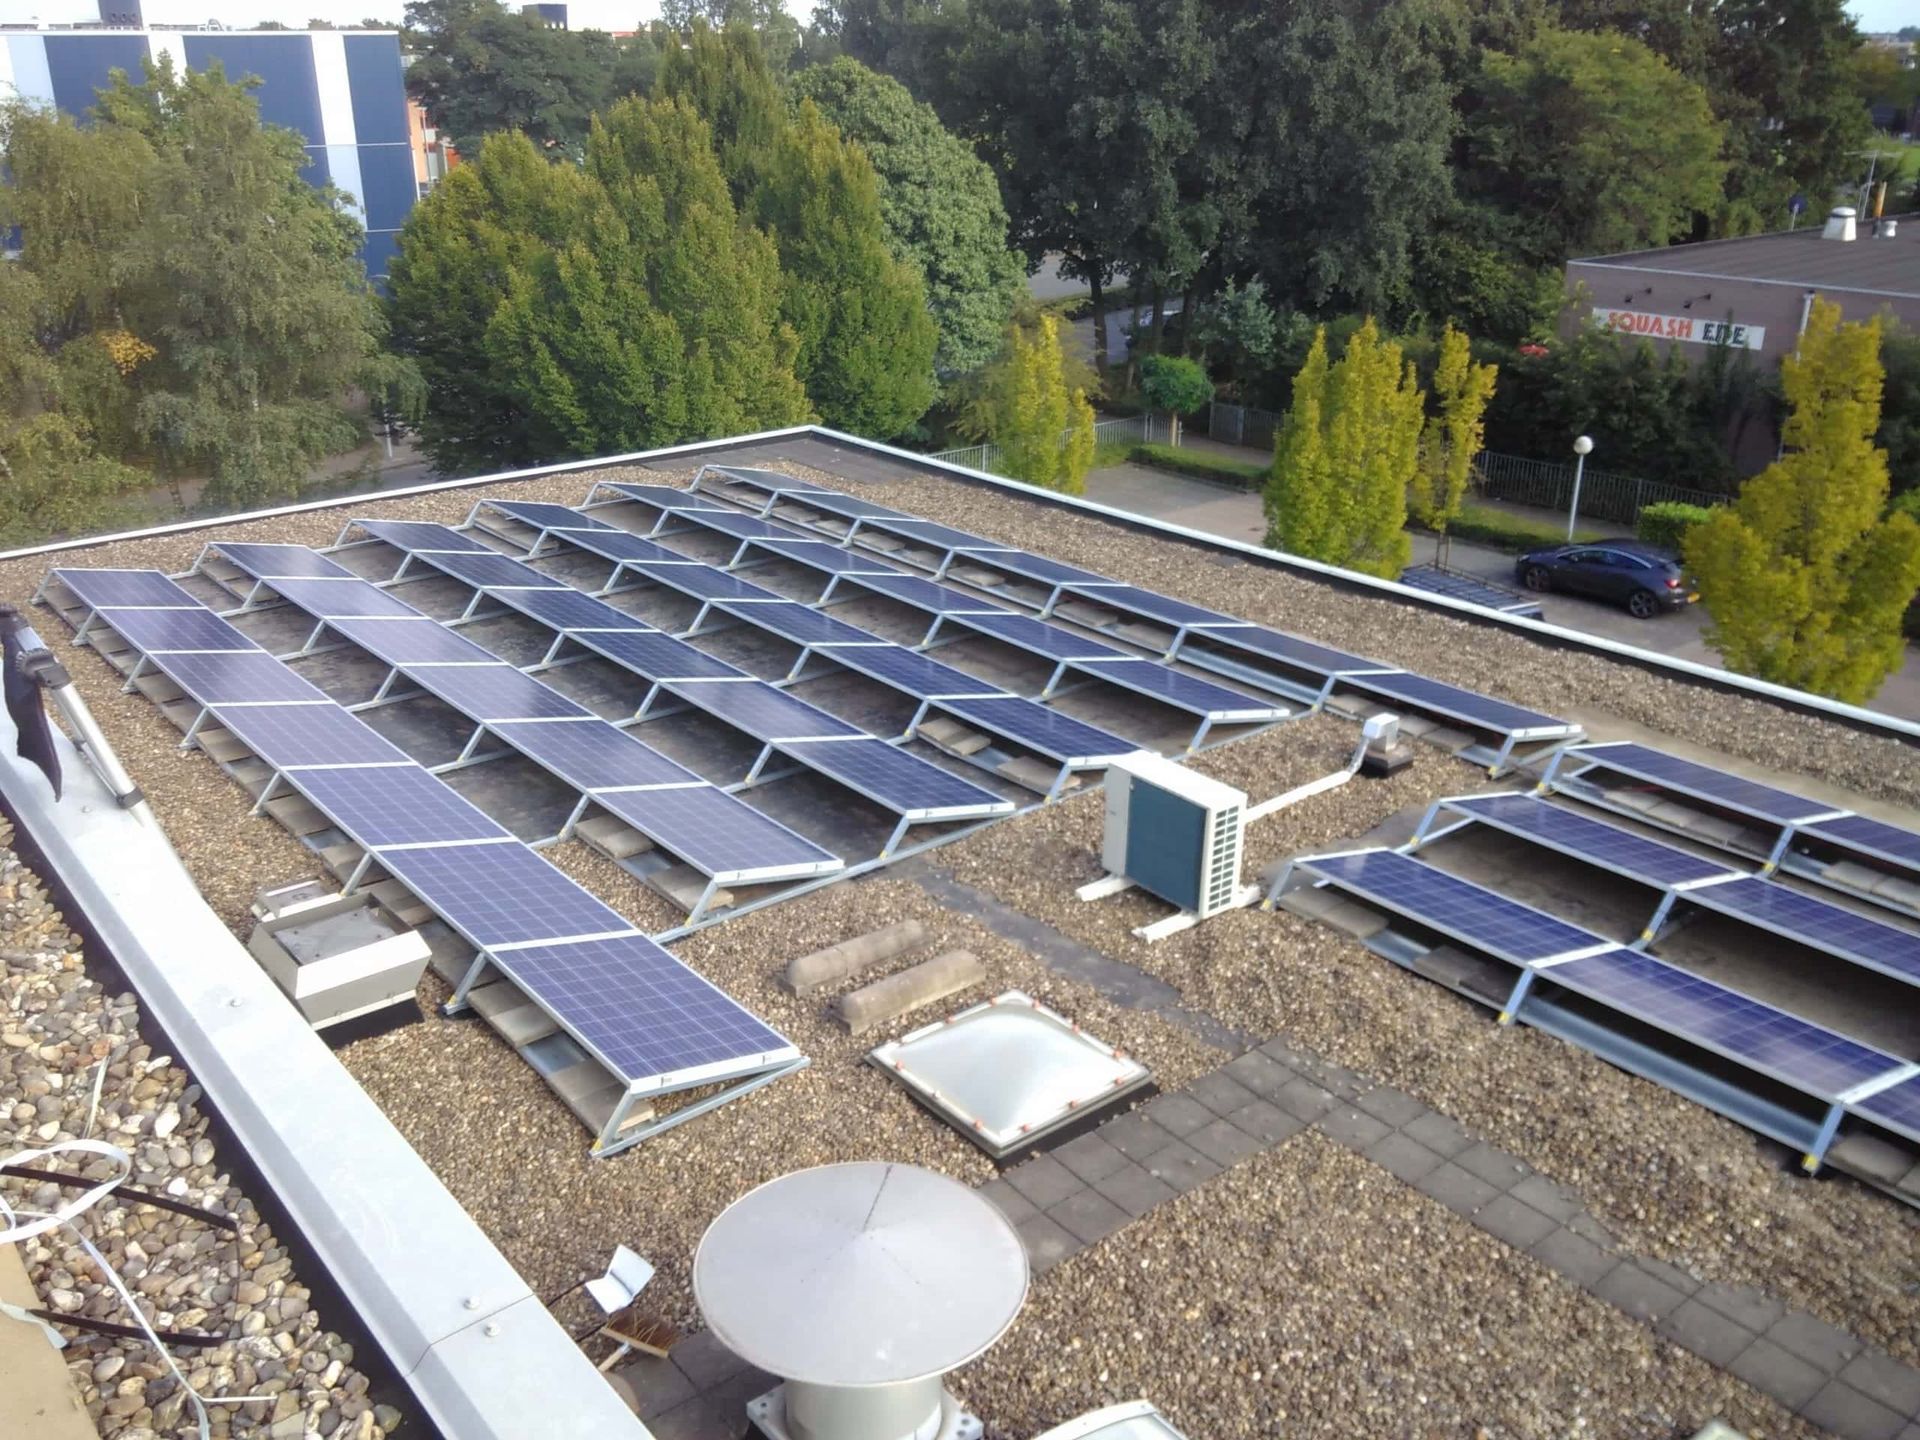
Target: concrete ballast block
(930, 980)
(808, 973)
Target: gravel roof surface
(58, 1022)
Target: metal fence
(1241, 425)
(1126, 430)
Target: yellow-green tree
(1452, 435)
(1029, 407)
(1806, 576)
(1344, 455)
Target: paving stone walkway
(1080, 1193)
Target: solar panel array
(1455, 586)
(1593, 841)
(646, 1017)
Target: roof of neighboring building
(1870, 264)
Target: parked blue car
(1645, 578)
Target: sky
(584, 14)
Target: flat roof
(1870, 265)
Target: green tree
(1899, 433)
(940, 203)
(1344, 455)
(1026, 404)
(1807, 575)
(1451, 437)
(725, 76)
(1175, 385)
(778, 32)
(1238, 331)
(866, 338)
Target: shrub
(1666, 523)
(1485, 525)
(1172, 383)
(1200, 464)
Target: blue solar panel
(927, 595)
(1291, 650)
(1182, 691)
(656, 656)
(912, 672)
(944, 536)
(160, 630)
(717, 833)
(802, 624)
(852, 506)
(664, 497)
(412, 642)
(1058, 736)
(547, 517)
(1897, 1107)
(1722, 1020)
(1455, 907)
(287, 736)
(1465, 587)
(395, 805)
(326, 599)
(1056, 642)
(421, 535)
(570, 610)
(1154, 606)
(772, 481)
(1702, 781)
(489, 571)
(500, 894)
(1591, 840)
(903, 783)
(831, 559)
(1455, 703)
(641, 1012)
(593, 755)
(703, 582)
(97, 589)
(621, 545)
(1038, 567)
(493, 692)
(279, 562)
(762, 711)
(237, 678)
(741, 527)
(1875, 944)
(1871, 837)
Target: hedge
(1485, 525)
(1666, 523)
(1201, 464)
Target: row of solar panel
(629, 1003)
(1439, 581)
(1828, 1066)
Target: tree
(1238, 330)
(1807, 576)
(866, 341)
(940, 204)
(1175, 385)
(1028, 407)
(778, 32)
(1451, 437)
(1899, 433)
(1344, 455)
(725, 76)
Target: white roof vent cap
(1839, 224)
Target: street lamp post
(1582, 445)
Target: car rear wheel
(1643, 605)
(1537, 577)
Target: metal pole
(1573, 510)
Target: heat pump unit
(1174, 833)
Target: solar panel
(717, 833)
(912, 672)
(663, 497)
(1897, 1107)
(1875, 944)
(275, 562)
(1455, 907)
(395, 805)
(741, 527)
(1038, 567)
(1724, 1021)
(1155, 606)
(1871, 837)
(620, 545)
(764, 712)
(569, 610)
(593, 755)
(412, 642)
(157, 631)
(326, 599)
(639, 1011)
(287, 736)
(493, 692)
(773, 481)
(835, 502)
(1056, 642)
(1466, 587)
(945, 536)
(1182, 691)
(239, 677)
(703, 582)
(1292, 650)
(422, 535)
(1456, 703)
(802, 624)
(490, 571)
(903, 783)
(832, 559)
(98, 589)
(1594, 841)
(927, 595)
(1702, 781)
(547, 517)
(500, 894)
(1059, 736)
(656, 656)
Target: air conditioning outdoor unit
(1175, 833)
